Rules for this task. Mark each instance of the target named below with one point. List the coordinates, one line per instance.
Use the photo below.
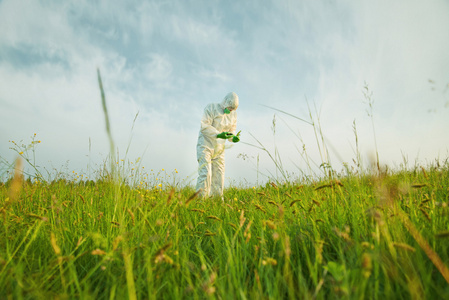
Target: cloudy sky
(165, 60)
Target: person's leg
(218, 174)
(204, 173)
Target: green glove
(224, 135)
(235, 139)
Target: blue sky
(167, 59)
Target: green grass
(133, 234)
(350, 237)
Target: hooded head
(230, 101)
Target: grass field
(133, 234)
(382, 236)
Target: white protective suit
(210, 149)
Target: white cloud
(159, 68)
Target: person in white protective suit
(218, 124)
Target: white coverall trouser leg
(211, 172)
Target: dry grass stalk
(367, 265)
(442, 234)
(424, 172)
(247, 232)
(418, 185)
(214, 218)
(293, 202)
(270, 224)
(425, 201)
(208, 284)
(116, 242)
(281, 211)
(404, 246)
(55, 246)
(259, 207)
(132, 215)
(332, 184)
(233, 225)
(159, 256)
(432, 255)
(17, 180)
(98, 252)
(170, 196)
(44, 219)
(269, 261)
(209, 233)
(79, 242)
(242, 218)
(425, 214)
(193, 197)
(82, 198)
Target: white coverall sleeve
(206, 124)
(233, 128)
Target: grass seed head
(442, 234)
(214, 218)
(79, 242)
(270, 224)
(132, 215)
(17, 180)
(193, 197)
(404, 246)
(259, 207)
(242, 218)
(293, 202)
(116, 242)
(425, 214)
(424, 172)
(170, 196)
(98, 252)
(269, 261)
(44, 219)
(55, 246)
(209, 233)
(418, 185)
(367, 265)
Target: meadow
(129, 233)
(373, 236)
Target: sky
(162, 62)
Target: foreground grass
(374, 237)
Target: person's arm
(233, 128)
(206, 124)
